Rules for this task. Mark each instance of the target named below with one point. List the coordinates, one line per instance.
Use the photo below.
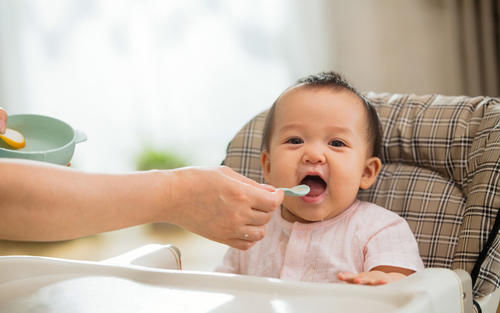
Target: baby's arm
(379, 275)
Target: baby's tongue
(316, 184)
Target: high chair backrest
(441, 172)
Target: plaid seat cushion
(441, 173)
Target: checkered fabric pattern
(441, 173)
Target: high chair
(441, 172)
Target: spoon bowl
(296, 191)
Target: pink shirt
(360, 238)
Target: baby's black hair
(336, 82)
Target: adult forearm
(43, 202)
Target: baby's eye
(336, 143)
(295, 141)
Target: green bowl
(47, 139)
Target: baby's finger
(372, 282)
(358, 280)
(347, 276)
(350, 278)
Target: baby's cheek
(279, 178)
(290, 202)
(341, 185)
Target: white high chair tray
(39, 284)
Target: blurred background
(162, 84)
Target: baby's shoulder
(368, 213)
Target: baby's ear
(372, 167)
(265, 163)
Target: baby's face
(319, 138)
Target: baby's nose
(313, 155)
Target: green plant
(151, 158)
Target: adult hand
(3, 120)
(222, 205)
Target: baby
(321, 132)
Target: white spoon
(296, 191)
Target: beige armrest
(467, 297)
(152, 255)
(447, 290)
(490, 303)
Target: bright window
(177, 75)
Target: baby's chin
(291, 216)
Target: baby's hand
(372, 278)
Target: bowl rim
(71, 142)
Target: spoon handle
(296, 191)
(287, 191)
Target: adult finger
(267, 187)
(259, 218)
(251, 233)
(3, 120)
(264, 200)
(262, 197)
(371, 282)
(233, 174)
(241, 244)
(245, 179)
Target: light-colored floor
(198, 253)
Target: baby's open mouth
(316, 183)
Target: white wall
(11, 69)
(384, 45)
(190, 76)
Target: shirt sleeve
(230, 263)
(392, 244)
